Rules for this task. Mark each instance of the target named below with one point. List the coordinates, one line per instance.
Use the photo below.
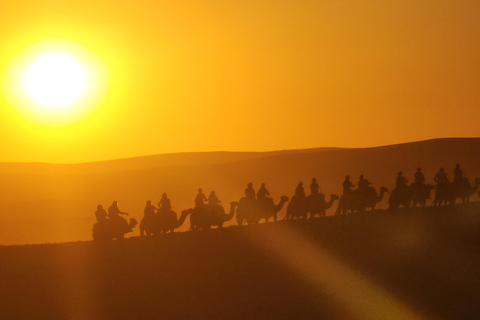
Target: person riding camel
(213, 200)
(200, 199)
(262, 192)
(457, 174)
(441, 177)
(347, 185)
(363, 185)
(249, 191)
(419, 177)
(149, 210)
(401, 182)
(299, 191)
(101, 214)
(114, 212)
(314, 187)
(164, 203)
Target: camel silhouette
(297, 208)
(354, 201)
(410, 196)
(251, 210)
(204, 217)
(112, 229)
(316, 204)
(162, 222)
(450, 191)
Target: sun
(55, 80)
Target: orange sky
(253, 74)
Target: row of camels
(251, 210)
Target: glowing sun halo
(54, 81)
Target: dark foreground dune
(377, 266)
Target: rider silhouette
(200, 198)
(299, 191)
(419, 177)
(262, 192)
(457, 173)
(401, 182)
(101, 214)
(347, 185)
(314, 186)
(441, 177)
(149, 210)
(114, 212)
(164, 203)
(212, 199)
(249, 191)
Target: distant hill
(55, 202)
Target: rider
(314, 186)
(299, 191)
(419, 177)
(200, 198)
(164, 203)
(441, 177)
(262, 192)
(457, 173)
(401, 182)
(249, 191)
(114, 212)
(149, 210)
(347, 185)
(101, 214)
(212, 199)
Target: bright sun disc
(54, 81)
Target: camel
(203, 218)
(449, 192)
(162, 222)
(316, 204)
(417, 193)
(355, 202)
(297, 208)
(112, 229)
(252, 210)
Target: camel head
(430, 186)
(233, 204)
(284, 198)
(133, 223)
(188, 211)
(383, 189)
(334, 196)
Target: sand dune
(55, 203)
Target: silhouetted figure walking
(347, 185)
(314, 187)
(213, 200)
(249, 191)
(164, 203)
(419, 177)
(401, 182)
(200, 199)
(262, 192)
(101, 214)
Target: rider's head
(263, 185)
(213, 192)
(314, 179)
(99, 206)
(441, 169)
(200, 190)
(419, 169)
(347, 177)
(115, 203)
(399, 173)
(249, 184)
(361, 176)
(458, 165)
(149, 202)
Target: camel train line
(255, 207)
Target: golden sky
(251, 75)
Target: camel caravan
(255, 207)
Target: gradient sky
(253, 75)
